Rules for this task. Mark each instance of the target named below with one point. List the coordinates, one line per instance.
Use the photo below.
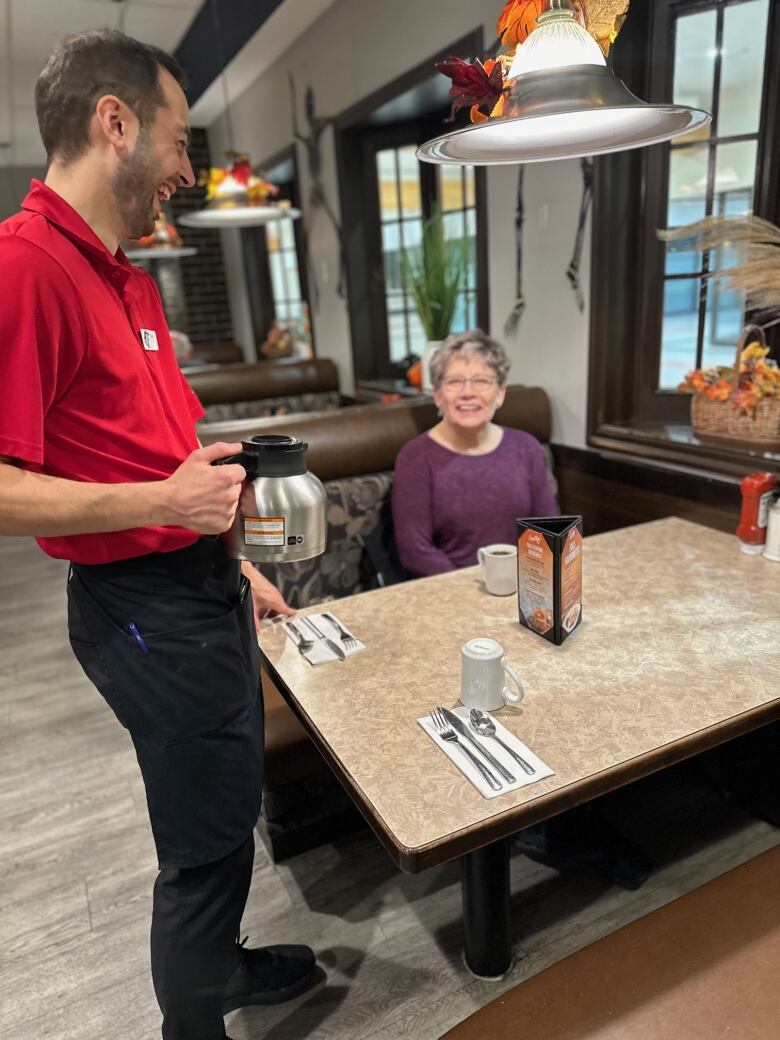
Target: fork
(446, 732)
(350, 643)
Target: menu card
(549, 575)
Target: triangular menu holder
(549, 575)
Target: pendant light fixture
(562, 102)
(236, 196)
(164, 243)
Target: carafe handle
(243, 458)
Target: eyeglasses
(479, 383)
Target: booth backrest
(218, 353)
(263, 379)
(367, 438)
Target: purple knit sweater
(446, 505)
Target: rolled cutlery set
(318, 644)
(465, 735)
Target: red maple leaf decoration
(473, 84)
(242, 171)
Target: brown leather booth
(218, 353)
(264, 379)
(367, 438)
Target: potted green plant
(435, 273)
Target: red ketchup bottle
(757, 491)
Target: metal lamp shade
(160, 252)
(237, 216)
(563, 113)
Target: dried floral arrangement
(759, 377)
(222, 182)
(480, 86)
(754, 389)
(757, 274)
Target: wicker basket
(722, 420)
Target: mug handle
(481, 556)
(509, 695)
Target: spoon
(484, 725)
(303, 643)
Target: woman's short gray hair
(474, 343)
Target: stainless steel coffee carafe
(281, 514)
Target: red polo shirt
(89, 385)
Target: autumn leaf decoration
(603, 19)
(475, 85)
(480, 86)
(518, 20)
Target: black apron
(169, 641)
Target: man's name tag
(149, 339)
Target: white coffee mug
(482, 671)
(499, 566)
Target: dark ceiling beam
(219, 31)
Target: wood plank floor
(77, 864)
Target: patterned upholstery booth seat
(353, 452)
(266, 388)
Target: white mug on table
(499, 566)
(483, 669)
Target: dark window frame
(256, 255)
(373, 142)
(625, 411)
(357, 142)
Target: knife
(333, 647)
(464, 731)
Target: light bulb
(557, 41)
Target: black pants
(195, 922)
(169, 641)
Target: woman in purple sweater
(464, 483)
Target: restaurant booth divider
(217, 353)
(266, 388)
(353, 452)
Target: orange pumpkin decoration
(414, 374)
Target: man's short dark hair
(83, 69)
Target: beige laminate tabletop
(678, 650)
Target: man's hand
(203, 497)
(266, 598)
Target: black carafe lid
(277, 455)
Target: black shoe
(269, 975)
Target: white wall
(14, 185)
(356, 48)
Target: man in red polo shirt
(100, 462)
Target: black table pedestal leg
(486, 923)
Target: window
(385, 197)
(718, 65)
(274, 263)
(458, 199)
(402, 211)
(285, 275)
(654, 314)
